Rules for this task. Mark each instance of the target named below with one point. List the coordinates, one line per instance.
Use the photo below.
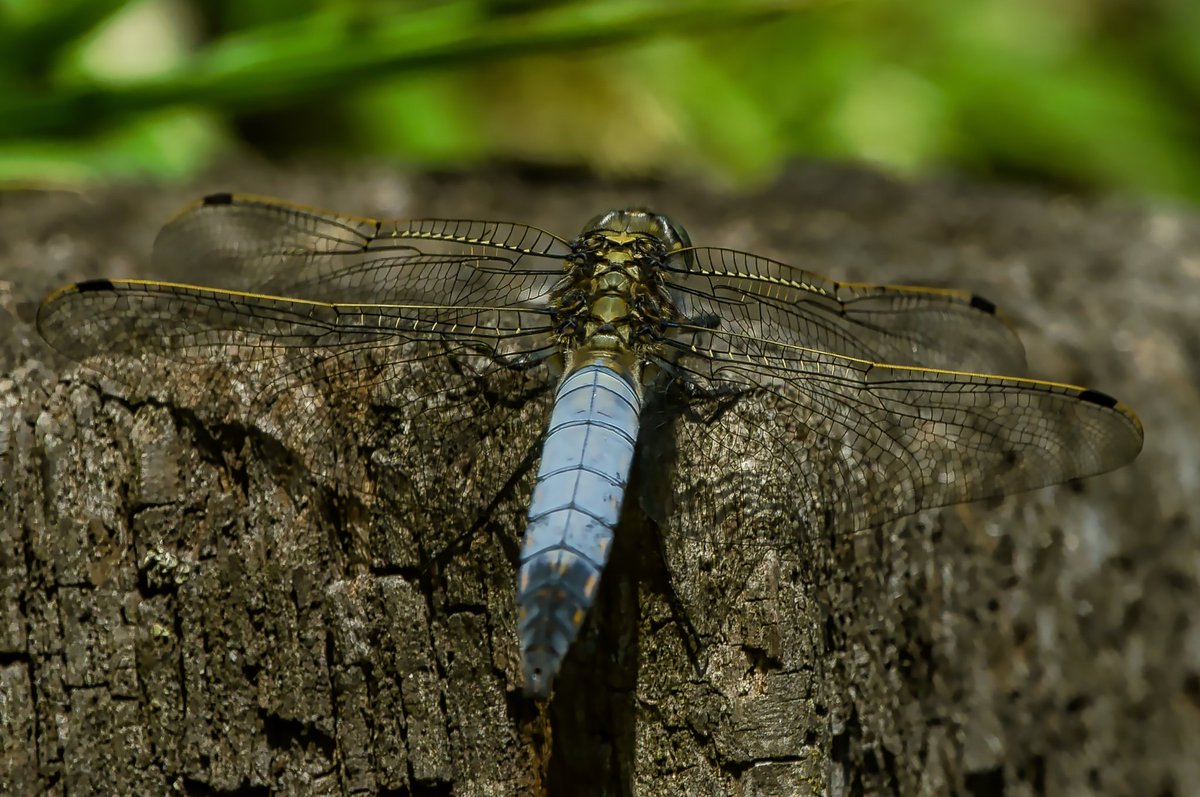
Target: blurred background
(1092, 95)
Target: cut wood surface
(183, 610)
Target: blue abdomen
(586, 458)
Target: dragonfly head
(640, 221)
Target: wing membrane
(447, 321)
(351, 337)
(306, 370)
(760, 299)
(900, 439)
(275, 247)
(208, 325)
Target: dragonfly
(869, 402)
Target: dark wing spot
(93, 285)
(980, 303)
(367, 241)
(224, 198)
(1096, 397)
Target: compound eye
(675, 236)
(685, 240)
(605, 221)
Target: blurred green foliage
(1089, 93)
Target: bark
(185, 611)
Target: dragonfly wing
(319, 376)
(375, 351)
(779, 457)
(860, 443)
(272, 246)
(753, 298)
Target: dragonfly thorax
(613, 297)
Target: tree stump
(185, 611)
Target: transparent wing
(859, 443)
(783, 453)
(379, 353)
(213, 325)
(275, 247)
(309, 373)
(755, 298)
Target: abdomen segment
(581, 483)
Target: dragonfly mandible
(898, 381)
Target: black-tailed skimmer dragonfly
(861, 403)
